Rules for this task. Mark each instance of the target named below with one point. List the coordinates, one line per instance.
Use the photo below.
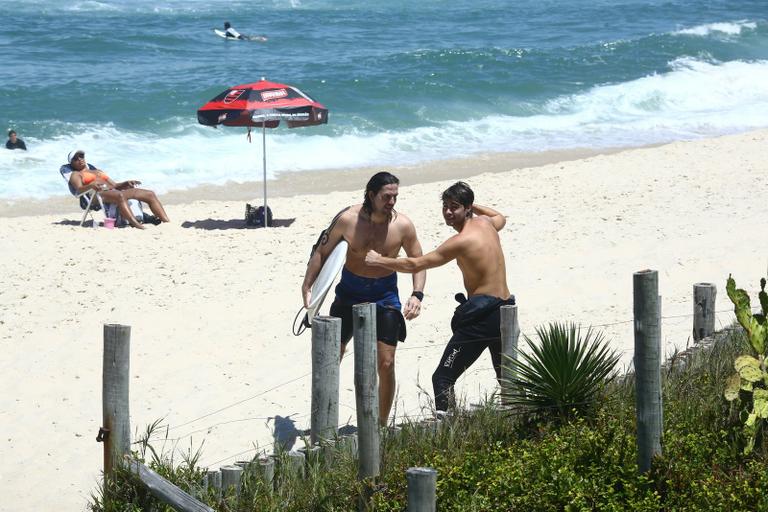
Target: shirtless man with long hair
(372, 225)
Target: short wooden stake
(296, 462)
(214, 482)
(349, 443)
(366, 389)
(267, 471)
(704, 297)
(326, 346)
(510, 332)
(115, 400)
(647, 360)
(230, 478)
(422, 489)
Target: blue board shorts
(354, 289)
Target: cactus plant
(750, 381)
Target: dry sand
(211, 303)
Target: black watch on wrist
(418, 295)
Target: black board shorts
(390, 324)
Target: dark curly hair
(459, 192)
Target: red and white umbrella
(262, 104)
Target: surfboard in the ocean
(331, 268)
(223, 34)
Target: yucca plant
(562, 375)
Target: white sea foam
(695, 98)
(733, 28)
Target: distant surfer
(372, 225)
(14, 142)
(231, 32)
(477, 251)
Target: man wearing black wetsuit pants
(374, 224)
(477, 250)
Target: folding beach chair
(90, 200)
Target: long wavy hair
(377, 181)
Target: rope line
(417, 347)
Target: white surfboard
(223, 34)
(331, 268)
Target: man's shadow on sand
(285, 432)
(214, 224)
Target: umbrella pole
(264, 156)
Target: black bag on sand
(255, 216)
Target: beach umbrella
(262, 104)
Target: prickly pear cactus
(751, 378)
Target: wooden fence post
(510, 332)
(647, 360)
(214, 481)
(116, 423)
(704, 296)
(366, 389)
(267, 471)
(230, 477)
(422, 489)
(326, 346)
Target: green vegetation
(564, 374)
(490, 460)
(748, 385)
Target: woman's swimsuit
(89, 177)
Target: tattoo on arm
(326, 233)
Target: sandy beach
(211, 303)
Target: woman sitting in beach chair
(84, 176)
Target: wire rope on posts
(326, 346)
(704, 296)
(647, 360)
(422, 489)
(116, 424)
(510, 332)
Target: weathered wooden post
(422, 489)
(366, 398)
(230, 477)
(116, 424)
(366, 389)
(510, 332)
(647, 362)
(296, 463)
(326, 346)
(267, 471)
(704, 296)
(214, 481)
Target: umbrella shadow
(214, 224)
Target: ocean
(405, 82)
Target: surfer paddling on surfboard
(230, 33)
(372, 225)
